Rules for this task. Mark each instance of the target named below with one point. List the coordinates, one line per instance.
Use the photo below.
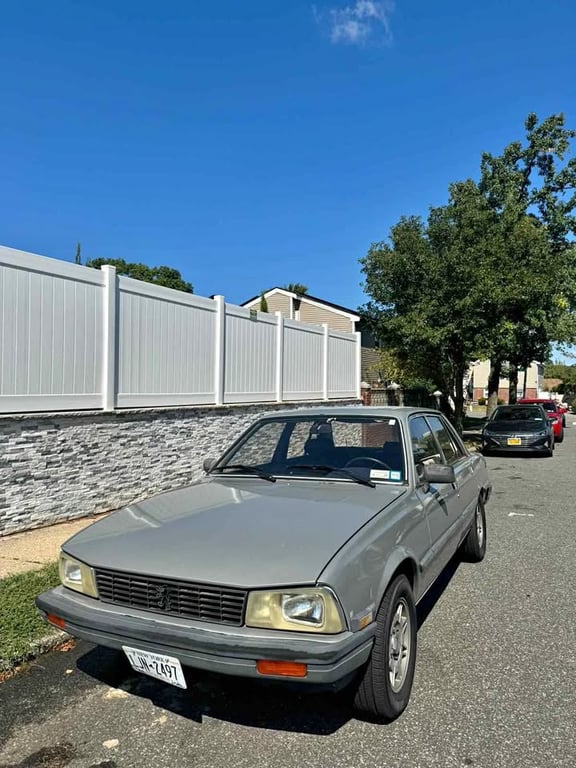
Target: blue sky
(255, 143)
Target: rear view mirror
(438, 474)
(209, 464)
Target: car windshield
(550, 406)
(353, 448)
(518, 413)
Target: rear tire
(474, 545)
(384, 689)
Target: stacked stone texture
(56, 467)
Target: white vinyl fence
(72, 337)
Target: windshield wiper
(328, 468)
(245, 468)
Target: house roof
(306, 296)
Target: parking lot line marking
(520, 514)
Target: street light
(437, 394)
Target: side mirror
(208, 464)
(438, 474)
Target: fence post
(219, 350)
(358, 364)
(279, 357)
(325, 344)
(109, 341)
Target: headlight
(308, 609)
(78, 576)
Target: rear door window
(450, 448)
(425, 448)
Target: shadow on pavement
(254, 703)
(243, 701)
(435, 592)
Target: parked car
(563, 407)
(299, 555)
(519, 428)
(552, 411)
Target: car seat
(319, 448)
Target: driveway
(495, 680)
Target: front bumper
(528, 445)
(211, 647)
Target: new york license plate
(514, 441)
(165, 668)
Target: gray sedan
(299, 555)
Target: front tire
(384, 689)
(474, 545)
(560, 437)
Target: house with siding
(530, 381)
(311, 309)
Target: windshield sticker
(385, 474)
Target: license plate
(165, 668)
(514, 441)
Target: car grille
(221, 605)
(503, 439)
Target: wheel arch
(400, 563)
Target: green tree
(560, 371)
(296, 288)
(393, 365)
(78, 254)
(427, 290)
(532, 190)
(263, 302)
(490, 274)
(567, 373)
(521, 301)
(166, 276)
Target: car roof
(395, 411)
(519, 404)
(535, 400)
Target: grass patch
(20, 622)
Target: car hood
(513, 427)
(234, 531)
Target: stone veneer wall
(56, 467)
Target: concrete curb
(47, 643)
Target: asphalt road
(495, 681)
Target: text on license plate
(514, 441)
(156, 665)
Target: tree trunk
(513, 384)
(459, 401)
(526, 366)
(493, 386)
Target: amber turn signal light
(282, 668)
(56, 620)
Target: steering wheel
(362, 461)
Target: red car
(553, 412)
